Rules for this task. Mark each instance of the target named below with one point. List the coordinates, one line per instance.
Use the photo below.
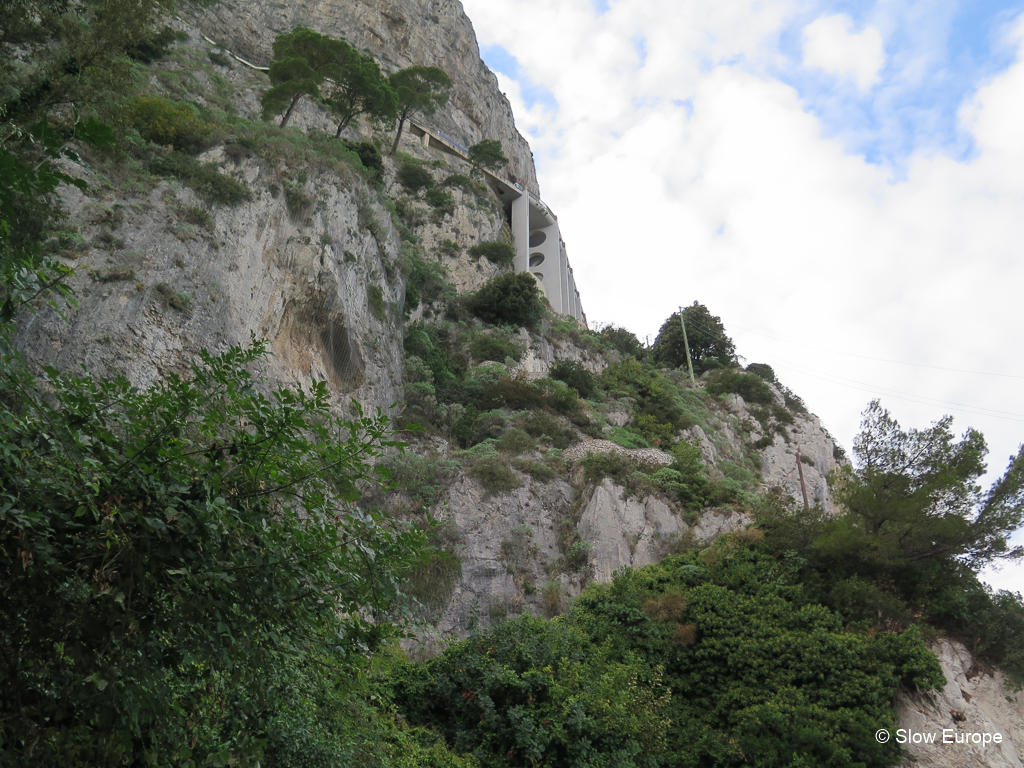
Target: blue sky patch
(500, 60)
(936, 55)
(601, 7)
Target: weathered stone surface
(974, 700)
(301, 282)
(489, 588)
(399, 33)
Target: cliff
(398, 33)
(320, 260)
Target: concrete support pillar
(521, 232)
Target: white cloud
(742, 200)
(830, 44)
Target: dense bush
(710, 347)
(576, 375)
(511, 298)
(498, 252)
(414, 177)
(622, 341)
(760, 675)
(751, 387)
(368, 154)
(425, 282)
(496, 346)
(193, 574)
(533, 692)
(169, 123)
(205, 178)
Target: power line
(880, 359)
(873, 388)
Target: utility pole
(800, 470)
(686, 346)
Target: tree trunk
(398, 136)
(288, 113)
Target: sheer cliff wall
(399, 34)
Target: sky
(842, 183)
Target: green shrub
(499, 252)
(375, 300)
(627, 438)
(516, 441)
(495, 476)
(425, 282)
(414, 177)
(535, 692)
(546, 427)
(535, 469)
(751, 387)
(169, 123)
(179, 301)
(442, 202)
(552, 594)
(511, 298)
(204, 178)
(760, 675)
(299, 204)
(496, 346)
(431, 583)
(423, 479)
(368, 155)
(155, 45)
(622, 341)
(576, 375)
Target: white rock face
(974, 701)
(626, 530)
(305, 283)
(399, 34)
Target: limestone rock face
(399, 34)
(973, 701)
(500, 581)
(626, 530)
(322, 290)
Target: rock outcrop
(399, 34)
(939, 727)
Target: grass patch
(205, 178)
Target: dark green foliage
(182, 547)
(622, 341)
(710, 347)
(303, 60)
(915, 530)
(751, 387)
(494, 475)
(576, 375)
(375, 300)
(766, 372)
(496, 346)
(420, 90)
(759, 674)
(547, 428)
(533, 692)
(155, 46)
(299, 204)
(369, 155)
(432, 581)
(535, 469)
(176, 300)
(414, 177)
(205, 178)
(487, 154)
(512, 298)
(657, 412)
(425, 282)
(357, 87)
(498, 252)
(442, 202)
(516, 441)
(423, 479)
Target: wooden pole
(686, 346)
